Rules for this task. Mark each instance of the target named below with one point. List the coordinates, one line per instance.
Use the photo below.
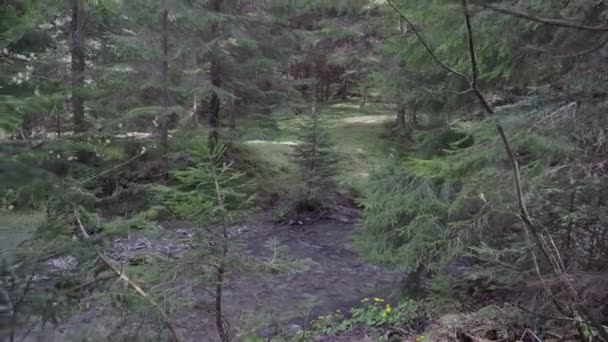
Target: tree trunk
(404, 123)
(219, 286)
(364, 97)
(77, 47)
(343, 91)
(216, 80)
(164, 71)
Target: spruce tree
(317, 164)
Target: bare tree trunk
(313, 112)
(77, 47)
(58, 118)
(164, 70)
(216, 80)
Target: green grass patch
(361, 134)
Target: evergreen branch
(426, 45)
(547, 21)
(121, 275)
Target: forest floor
(266, 304)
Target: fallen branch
(547, 21)
(121, 275)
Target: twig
(128, 281)
(530, 332)
(474, 85)
(547, 21)
(114, 167)
(472, 82)
(585, 52)
(426, 46)
(523, 210)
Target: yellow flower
(420, 338)
(384, 314)
(388, 309)
(364, 300)
(378, 300)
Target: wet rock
(63, 264)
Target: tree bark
(232, 115)
(216, 80)
(77, 51)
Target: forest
(304, 170)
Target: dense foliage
(148, 139)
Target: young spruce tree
(317, 164)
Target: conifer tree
(317, 164)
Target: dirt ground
(266, 303)
(337, 280)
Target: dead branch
(547, 21)
(122, 276)
(114, 167)
(549, 251)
